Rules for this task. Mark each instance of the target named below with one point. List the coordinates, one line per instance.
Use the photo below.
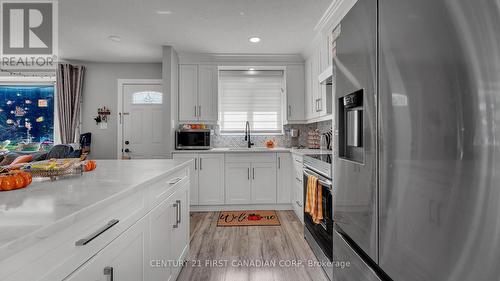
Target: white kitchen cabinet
(207, 177)
(193, 173)
(298, 186)
(238, 181)
(125, 258)
(162, 220)
(188, 92)
(198, 93)
(295, 93)
(284, 178)
(208, 89)
(309, 103)
(251, 178)
(263, 183)
(179, 237)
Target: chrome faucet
(247, 135)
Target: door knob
(127, 142)
(127, 150)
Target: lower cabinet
(284, 178)
(124, 259)
(207, 177)
(150, 250)
(250, 180)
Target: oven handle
(322, 180)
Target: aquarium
(26, 116)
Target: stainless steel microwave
(192, 139)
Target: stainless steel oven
(320, 236)
(192, 139)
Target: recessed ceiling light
(251, 69)
(242, 13)
(254, 39)
(114, 38)
(164, 12)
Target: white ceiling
(195, 26)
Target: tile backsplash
(281, 140)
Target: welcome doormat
(248, 218)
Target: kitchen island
(78, 226)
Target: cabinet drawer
(298, 201)
(265, 157)
(77, 242)
(163, 188)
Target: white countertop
(46, 205)
(256, 150)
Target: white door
(188, 92)
(144, 129)
(193, 174)
(211, 179)
(238, 183)
(207, 92)
(263, 183)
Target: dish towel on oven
(314, 199)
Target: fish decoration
(9, 102)
(10, 121)
(39, 119)
(28, 102)
(20, 111)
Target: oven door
(192, 139)
(322, 233)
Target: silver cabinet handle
(248, 173)
(279, 162)
(86, 240)
(196, 163)
(108, 272)
(174, 181)
(320, 104)
(299, 180)
(176, 206)
(199, 110)
(289, 110)
(298, 203)
(179, 215)
(201, 164)
(195, 111)
(253, 173)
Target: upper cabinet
(198, 90)
(295, 93)
(318, 96)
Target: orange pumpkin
(8, 183)
(90, 165)
(19, 180)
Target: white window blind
(253, 96)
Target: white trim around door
(121, 83)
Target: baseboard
(278, 207)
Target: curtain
(69, 94)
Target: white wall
(100, 89)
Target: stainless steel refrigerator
(417, 158)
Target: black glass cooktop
(322, 157)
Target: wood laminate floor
(249, 253)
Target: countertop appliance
(416, 162)
(319, 236)
(192, 139)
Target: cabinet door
(126, 258)
(315, 83)
(211, 179)
(295, 92)
(179, 239)
(161, 224)
(238, 177)
(188, 92)
(193, 174)
(263, 183)
(309, 103)
(208, 81)
(284, 178)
